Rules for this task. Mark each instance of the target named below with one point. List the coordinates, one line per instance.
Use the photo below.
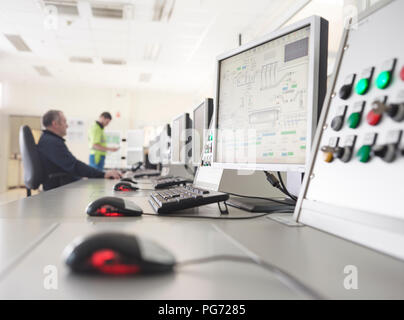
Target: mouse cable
(283, 275)
(225, 217)
(262, 198)
(276, 183)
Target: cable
(218, 218)
(262, 198)
(284, 187)
(275, 183)
(283, 275)
(189, 170)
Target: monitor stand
(260, 205)
(293, 183)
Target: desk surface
(35, 231)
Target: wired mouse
(125, 186)
(114, 253)
(113, 207)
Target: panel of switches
(355, 182)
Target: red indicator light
(402, 73)
(107, 261)
(122, 188)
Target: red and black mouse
(125, 186)
(113, 207)
(113, 253)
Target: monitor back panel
(355, 184)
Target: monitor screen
(175, 140)
(198, 131)
(263, 112)
(165, 144)
(181, 139)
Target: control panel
(355, 182)
(207, 153)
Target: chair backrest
(33, 170)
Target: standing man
(98, 141)
(56, 157)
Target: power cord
(283, 275)
(279, 184)
(222, 217)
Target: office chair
(33, 170)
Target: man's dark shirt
(56, 158)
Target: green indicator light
(363, 154)
(353, 120)
(383, 79)
(290, 153)
(362, 86)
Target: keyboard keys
(183, 197)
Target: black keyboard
(145, 173)
(161, 183)
(184, 197)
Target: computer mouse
(114, 253)
(129, 180)
(113, 207)
(125, 186)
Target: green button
(362, 86)
(353, 120)
(383, 79)
(363, 154)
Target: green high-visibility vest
(96, 135)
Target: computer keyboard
(184, 197)
(161, 183)
(145, 173)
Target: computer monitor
(202, 115)
(181, 138)
(165, 144)
(154, 154)
(268, 98)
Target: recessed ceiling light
(17, 42)
(81, 59)
(113, 61)
(43, 71)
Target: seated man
(57, 158)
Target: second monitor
(181, 151)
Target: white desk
(315, 258)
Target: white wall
(4, 148)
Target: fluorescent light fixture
(81, 59)
(43, 71)
(113, 61)
(17, 42)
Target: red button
(402, 73)
(373, 118)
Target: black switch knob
(345, 91)
(396, 111)
(337, 123)
(386, 152)
(343, 153)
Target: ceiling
(156, 44)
